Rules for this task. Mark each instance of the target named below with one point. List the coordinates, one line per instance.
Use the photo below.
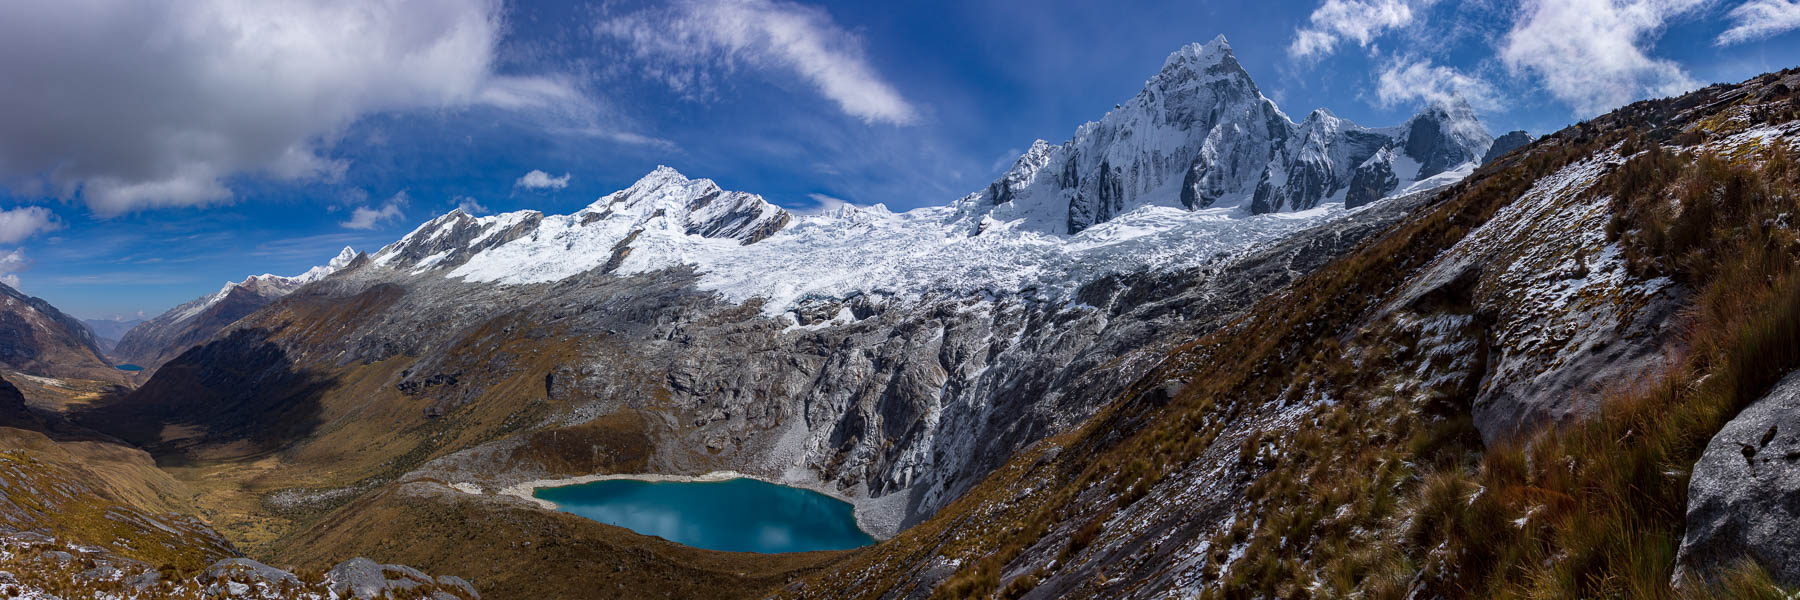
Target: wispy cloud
(1360, 21)
(366, 218)
(1758, 19)
(1592, 55)
(469, 205)
(690, 43)
(1408, 80)
(315, 249)
(823, 204)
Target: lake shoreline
(524, 490)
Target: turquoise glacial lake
(734, 515)
(128, 367)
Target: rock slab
(1744, 497)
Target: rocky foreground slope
(1509, 394)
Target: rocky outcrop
(365, 579)
(1373, 180)
(1568, 319)
(14, 412)
(1513, 140)
(1744, 494)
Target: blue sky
(150, 152)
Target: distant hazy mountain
(108, 331)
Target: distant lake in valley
(128, 367)
(734, 515)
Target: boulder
(1744, 496)
(365, 579)
(244, 569)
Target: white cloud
(539, 180)
(369, 218)
(1591, 53)
(18, 224)
(11, 263)
(128, 105)
(1758, 19)
(469, 205)
(1357, 20)
(542, 92)
(686, 45)
(1413, 80)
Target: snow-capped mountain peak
(1201, 135)
(696, 206)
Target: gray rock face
(1373, 180)
(1104, 201)
(1444, 136)
(1513, 140)
(365, 579)
(244, 569)
(1744, 494)
(1567, 318)
(1203, 185)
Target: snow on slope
(871, 250)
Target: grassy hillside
(1323, 446)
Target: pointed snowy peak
(1445, 134)
(343, 258)
(700, 207)
(1022, 172)
(1211, 57)
(1211, 64)
(454, 237)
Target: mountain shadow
(237, 395)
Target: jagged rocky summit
(1201, 135)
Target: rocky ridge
(38, 339)
(155, 341)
